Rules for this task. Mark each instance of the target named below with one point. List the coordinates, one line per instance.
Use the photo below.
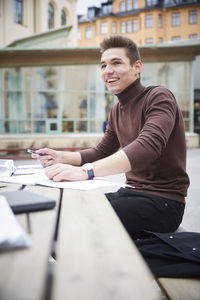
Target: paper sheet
(41, 179)
(11, 233)
(27, 169)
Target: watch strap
(90, 174)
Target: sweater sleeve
(108, 145)
(160, 113)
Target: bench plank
(181, 288)
(24, 272)
(96, 259)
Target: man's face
(116, 71)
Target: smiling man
(144, 139)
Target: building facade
(51, 93)
(21, 19)
(144, 21)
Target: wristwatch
(89, 169)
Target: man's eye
(103, 67)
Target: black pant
(139, 212)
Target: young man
(144, 138)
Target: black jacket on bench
(171, 254)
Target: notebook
(24, 201)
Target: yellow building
(21, 19)
(146, 22)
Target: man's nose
(109, 69)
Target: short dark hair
(118, 41)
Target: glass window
(193, 36)
(159, 20)
(175, 19)
(107, 9)
(18, 11)
(160, 40)
(122, 6)
(88, 32)
(149, 41)
(192, 16)
(50, 16)
(114, 27)
(104, 27)
(135, 25)
(129, 4)
(123, 27)
(149, 21)
(176, 77)
(151, 2)
(63, 18)
(129, 27)
(78, 34)
(135, 4)
(176, 38)
(56, 99)
(91, 13)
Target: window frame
(18, 11)
(51, 15)
(176, 19)
(149, 21)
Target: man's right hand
(51, 157)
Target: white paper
(11, 233)
(41, 179)
(27, 169)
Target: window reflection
(73, 99)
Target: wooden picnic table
(95, 257)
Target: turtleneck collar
(131, 92)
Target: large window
(62, 99)
(135, 4)
(192, 16)
(176, 38)
(114, 27)
(193, 36)
(56, 99)
(129, 26)
(159, 20)
(88, 32)
(149, 21)
(129, 4)
(123, 27)
(122, 6)
(135, 25)
(50, 16)
(176, 19)
(104, 27)
(176, 77)
(149, 41)
(63, 18)
(18, 11)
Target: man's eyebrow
(113, 59)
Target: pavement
(191, 219)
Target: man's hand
(50, 157)
(63, 172)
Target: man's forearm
(113, 164)
(72, 158)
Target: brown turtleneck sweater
(147, 125)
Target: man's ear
(138, 66)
